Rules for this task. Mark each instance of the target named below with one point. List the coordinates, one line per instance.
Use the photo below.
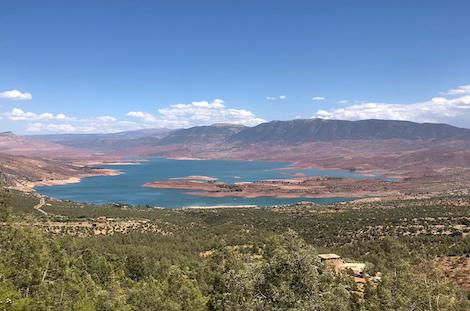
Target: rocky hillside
(24, 169)
(32, 147)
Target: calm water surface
(127, 188)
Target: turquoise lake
(127, 187)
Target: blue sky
(103, 66)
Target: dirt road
(38, 206)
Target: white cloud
(197, 113)
(146, 117)
(461, 90)
(60, 123)
(276, 97)
(201, 113)
(107, 119)
(91, 125)
(438, 109)
(17, 114)
(15, 95)
(318, 98)
(51, 127)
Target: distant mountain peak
(227, 125)
(216, 133)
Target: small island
(300, 187)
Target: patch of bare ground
(457, 268)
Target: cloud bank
(437, 110)
(173, 116)
(197, 113)
(17, 114)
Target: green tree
(231, 281)
(290, 277)
(293, 278)
(177, 292)
(411, 284)
(135, 267)
(5, 212)
(25, 254)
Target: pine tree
(4, 209)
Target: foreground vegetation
(87, 257)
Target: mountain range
(275, 132)
(394, 148)
(310, 130)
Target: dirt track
(38, 206)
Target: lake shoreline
(29, 186)
(204, 173)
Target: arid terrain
(418, 159)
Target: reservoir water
(127, 187)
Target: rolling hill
(13, 144)
(106, 142)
